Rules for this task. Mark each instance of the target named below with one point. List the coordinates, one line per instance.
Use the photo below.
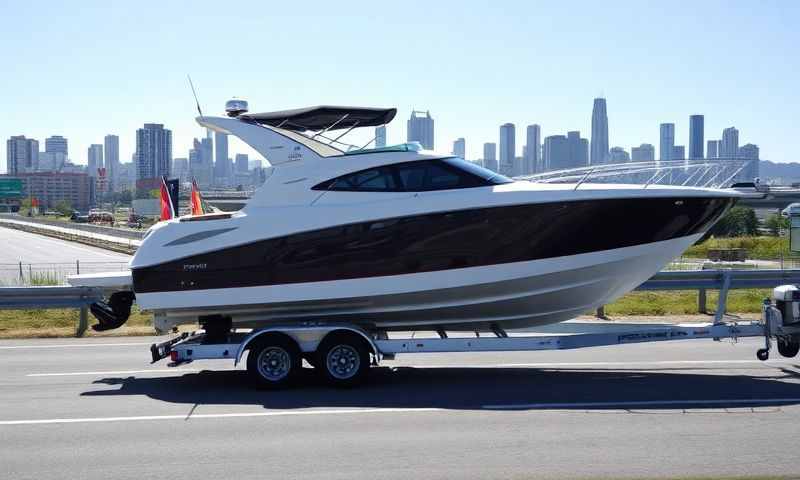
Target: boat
(398, 238)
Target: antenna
(196, 101)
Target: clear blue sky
(85, 69)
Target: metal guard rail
(21, 298)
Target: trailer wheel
(343, 359)
(789, 348)
(274, 361)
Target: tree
(775, 223)
(64, 208)
(738, 222)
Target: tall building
(201, 161)
(729, 145)
(712, 149)
(51, 161)
(420, 129)
(666, 141)
(22, 155)
(242, 163)
(94, 159)
(750, 153)
(180, 169)
(578, 150)
(507, 149)
(56, 144)
(619, 155)
(460, 148)
(222, 166)
(556, 152)
(51, 188)
(696, 141)
(111, 153)
(643, 153)
(678, 152)
(599, 132)
(532, 158)
(153, 154)
(490, 156)
(380, 136)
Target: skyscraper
(556, 152)
(420, 129)
(619, 155)
(599, 132)
(111, 153)
(22, 155)
(666, 141)
(460, 148)
(490, 156)
(729, 145)
(380, 136)
(578, 150)
(712, 149)
(678, 152)
(533, 141)
(750, 153)
(242, 163)
(153, 153)
(696, 141)
(180, 168)
(56, 144)
(643, 153)
(94, 159)
(507, 149)
(201, 161)
(222, 170)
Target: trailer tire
(274, 361)
(788, 349)
(343, 359)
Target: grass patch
(763, 248)
(680, 302)
(62, 322)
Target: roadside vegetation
(684, 302)
(62, 323)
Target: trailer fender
(307, 338)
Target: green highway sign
(10, 187)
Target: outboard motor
(113, 313)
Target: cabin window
(381, 179)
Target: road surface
(47, 254)
(96, 409)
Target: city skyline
(583, 62)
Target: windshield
(477, 170)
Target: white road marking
(73, 345)
(198, 416)
(644, 403)
(646, 362)
(114, 372)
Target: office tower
(56, 144)
(201, 161)
(94, 159)
(599, 132)
(556, 152)
(666, 141)
(459, 148)
(678, 152)
(750, 171)
(111, 154)
(51, 161)
(420, 129)
(242, 163)
(696, 140)
(255, 164)
(533, 140)
(22, 155)
(380, 136)
(153, 152)
(507, 149)
(643, 153)
(578, 150)
(619, 155)
(490, 156)
(180, 168)
(222, 171)
(712, 149)
(729, 145)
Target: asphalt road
(96, 408)
(47, 254)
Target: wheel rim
(343, 361)
(274, 363)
